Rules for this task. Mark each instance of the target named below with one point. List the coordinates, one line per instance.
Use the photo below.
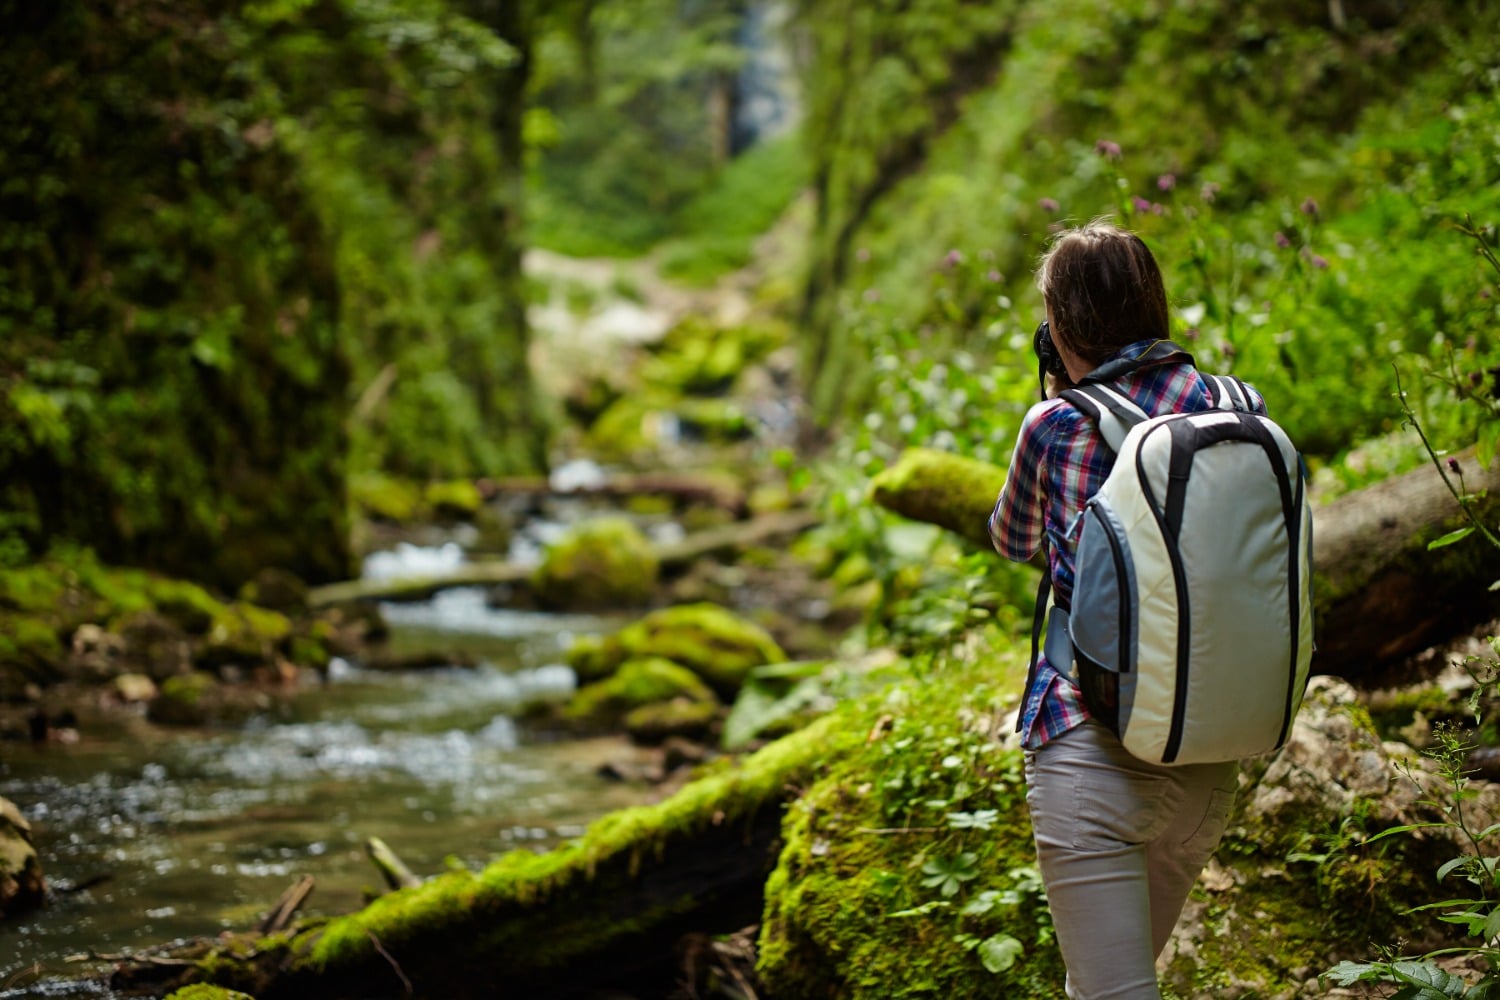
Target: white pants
(1120, 842)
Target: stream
(185, 832)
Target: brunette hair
(1103, 289)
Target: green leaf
(1348, 973)
(920, 911)
(1491, 926)
(1000, 952)
(1451, 537)
(1447, 867)
(1433, 982)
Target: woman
(1119, 841)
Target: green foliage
(223, 231)
(1296, 195)
(1476, 911)
(624, 91)
(908, 870)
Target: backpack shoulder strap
(1228, 393)
(1113, 412)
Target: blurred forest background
(252, 254)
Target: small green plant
(1476, 906)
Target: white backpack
(1191, 625)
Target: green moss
(185, 700)
(30, 650)
(185, 603)
(454, 498)
(387, 498)
(710, 640)
(603, 563)
(847, 912)
(636, 683)
(594, 657)
(517, 884)
(33, 588)
(203, 991)
(244, 633)
(655, 723)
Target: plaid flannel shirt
(1060, 460)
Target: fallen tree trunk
(1381, 594)
(716, 491)
(705, 544)
(604, 911)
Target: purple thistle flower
(1319, 262)
(1108, 150)
(993, 275)
(1310, 207)
(1048, 204)
(1281, 240)
(1140, 204)
(1166, 182)
(1454, 467)
(954, 258)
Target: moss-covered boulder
(203, 991)
(30, 653)
(22, 885)
(155, 645)
(277, 590)
(595, 657)
(453, 499)
(603, 563)
(688, 718)
(185, 700)
(245, 635)
(637, 683)
(712, 641)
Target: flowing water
(195, 831)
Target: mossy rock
(30, 651)
(384, 498)
(630, 426)
(155, 644)
(244, 634)
(717, 420)
(713, 642)
(849, 909)
(638, 682)
(34, 588)
(453, 499)
(691, 718)
(22, 885)
(595, 657)
(604, 563)
(313, 644)
(185, 603)
(203, 991)
(185, 700)
(277, 590)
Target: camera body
(1048, 360)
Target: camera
(1048, 361)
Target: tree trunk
(604, 911)
(673, 556)
(1380, 593)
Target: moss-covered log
(1381, 594)
(671, 556)
(603, 910)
